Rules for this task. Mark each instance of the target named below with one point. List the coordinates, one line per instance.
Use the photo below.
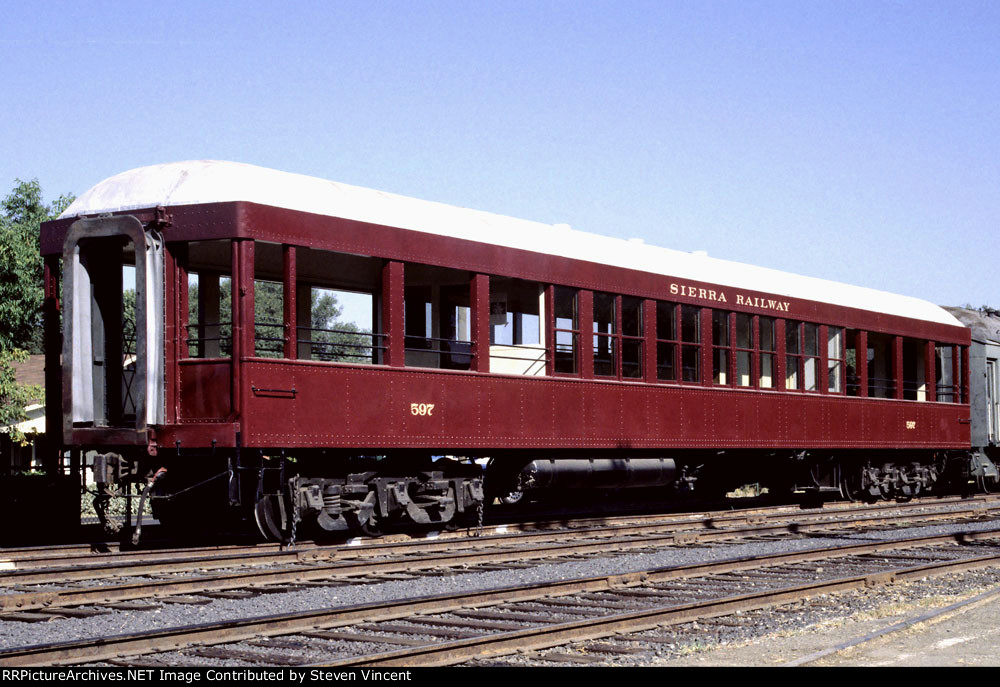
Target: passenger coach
(566, 359)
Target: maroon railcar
(193, 358)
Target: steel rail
(686, 531)
(119, 646)
(552, 635)
(72, 555)
(60, 598)
(75, 555)
(827, 507)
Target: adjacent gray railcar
(984, 388)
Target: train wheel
(267, 512)
(512, 497)
(857, 486)
(987, 485)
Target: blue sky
(855, 141)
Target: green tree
(21, 268)
(334, 338)
(128, 321)
(14, 397)
(268, 306)
(21, 215)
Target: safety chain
(295, 526)
(479, 519)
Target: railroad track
(64, 558)
(475, 625)
(178, 579)
(20, 558)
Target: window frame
(802, 358)
(840, 360)
(638, 339)
(723, 349)
(612, 337)
(574, 332)
(673, 342)
(771, 352)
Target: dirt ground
(966, 636)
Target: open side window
(209, 277)
(338, 300)
(881, 380)
(517, 310)
(437, 317)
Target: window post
(241, 312)
(732, 378)
(930, 375)
(956, 373)
(897, 366)
(182, 299)
(246, 296)
(755, 362)
(861, 360)
(550, 335)
(782, 347)
(290, 310)
(649, 340)
(965, 373)
(706, 347)
(479, 311)
(392, 313)
(585, 322)
(617, 338)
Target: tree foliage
(21, 215)
(21, 268)
(14, 397)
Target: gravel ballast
(13, 634)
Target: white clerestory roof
(211, 181)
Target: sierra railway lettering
(720, 297)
